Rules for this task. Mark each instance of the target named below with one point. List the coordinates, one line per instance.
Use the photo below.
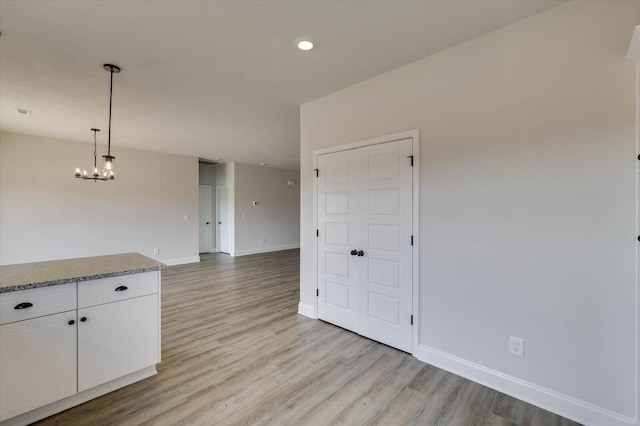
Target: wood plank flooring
(235, 352)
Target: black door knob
(71, 322)
(83, 319)
(207, 223)
(360, 253)
(219, 223)
(354, 252)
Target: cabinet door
(116, 339)
(37, 362)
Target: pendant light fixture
(108, 171)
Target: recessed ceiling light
(263, 164)
(305, 45)
(23, 111)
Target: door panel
(204, 218)
(223, 217)
(387, 289)
(336, 281)
(365, 204)
(337, 233)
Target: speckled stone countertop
(42, 274)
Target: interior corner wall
(47, 214)
(527, 201)
(207, 176)
(274, 222)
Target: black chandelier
(108, 171)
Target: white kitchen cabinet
(37, 362)
(117, 338)
(62, 345)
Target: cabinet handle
(122, 288)
(24, 305)
(71, 322)
(83, 319)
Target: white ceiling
(213, 79)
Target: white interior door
(365, 264)
(223, 217)
(338, 236)
(204, 226)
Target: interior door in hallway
(204, 225)
(365, 207)
(223, 217)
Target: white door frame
(210, 249)
(415, 136)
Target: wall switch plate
(156, 251)
(516, 346)
(187, 217)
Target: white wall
(46, 214)
(207, 176)
(276, 219)
(527, 200)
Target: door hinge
(411, 319)
(412, 240)
(317, 232)
(410, 157)
(317, 292)
(317, 172)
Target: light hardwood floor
(235, 352)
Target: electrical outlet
(516, 346)
(156, 251)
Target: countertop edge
(79, 279)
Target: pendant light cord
(110, 100)
(95, 149)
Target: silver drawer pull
(23, 305)
(122, 288)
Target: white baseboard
(564, 405)
(265, 249)
(181, 261)
(306, 310)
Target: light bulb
(95, 172)
(77, 173)
(107, 165)
(84, 173)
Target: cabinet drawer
(43, 301)
(113, 289)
